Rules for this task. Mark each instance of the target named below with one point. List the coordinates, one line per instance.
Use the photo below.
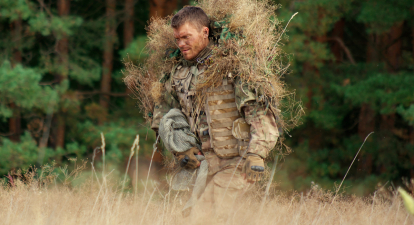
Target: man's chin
(188, 57)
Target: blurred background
(351, 64)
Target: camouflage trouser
(221, 193)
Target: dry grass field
(55, 196)
(39, 200)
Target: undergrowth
(35, 197)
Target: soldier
(235, 131)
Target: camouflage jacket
(180, 89)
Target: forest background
(351, 64)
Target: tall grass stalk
(136, 169)
(269, 183)
(154, 146)
(337, 190)
(131, 154)
(36, 201)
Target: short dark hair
(192, 14)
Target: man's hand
(253, 168)
(187, 158)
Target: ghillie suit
(255, 56)
(231, 94)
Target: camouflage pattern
(180, 89)
(244, 95)
(225, 165)
(221, 112)
(160, 110)
(222, 191)
(167, 102)
(216, 164)
(263, 130)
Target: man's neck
(201, 56)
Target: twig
(46, 8)
(136, 169)
(103, 154)
(134, 145)
(337, 190)
(7, 134)
(269, 183)
(343, 46)
(149, 169)
(93, 167)
(280, 36)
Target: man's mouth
(185, 51)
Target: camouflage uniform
(214, 124)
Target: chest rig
(229, 132)
(183, 82)
(219, 124)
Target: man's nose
(181, 43)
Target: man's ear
(205, 31)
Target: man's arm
(167, 101)
(162, 106)
(263, 129)
(160, 109)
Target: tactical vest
(219, 125)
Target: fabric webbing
(223, 106)
(227, 142)
(220, 97)
(221, 125)
(222, 88)
(225, 115)
(228, 152)
(222, 134)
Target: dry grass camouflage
(249, 47)
(37, 199)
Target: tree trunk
(412, 40)
(366, 120)
(129, 22)
(393, 44)
(62, 51)
(15, 124)
(162, 8)
(156, 9)
(315, 135)
(307, 70)
(128, 37)
(411, 140)
(412, 127)
(373, 44)
(185, 2)
(338, 31)
(15, 120)
(16, 27)
(169, 7)
(366, 125)
(108, 53)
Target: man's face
(190, 40)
